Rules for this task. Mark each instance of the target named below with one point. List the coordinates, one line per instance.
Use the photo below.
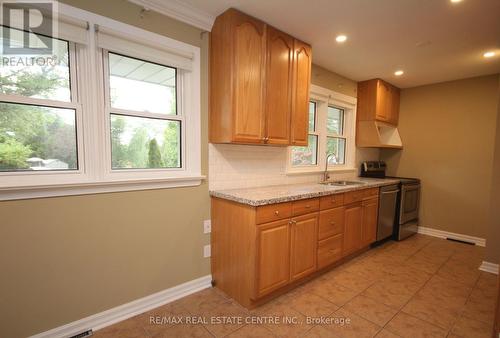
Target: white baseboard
(445, 234)
(489, 267)
(125, 311)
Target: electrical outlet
(206, 251)
(207, 226)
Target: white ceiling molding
(180, 11)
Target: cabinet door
(352, 228)
(384, 107)
(394, 118)
(304, 242)
(273, 256)
(369, 221)
(278, 86)
(300, 100)
(249, 70)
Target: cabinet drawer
(354, 196)
(273, 212)
(332, 201)
(369, 193)
(305, 206)
(331, 222)
(329, 251)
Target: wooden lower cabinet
(369, 221)
(273, 252)
(329, 251)
(352, 228)
(258, 251)
(303, 246)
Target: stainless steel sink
(343, 183)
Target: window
(114, 108)
(304, 156)
(38, 110)
(331, 134)
(335, 140)
(144, 122)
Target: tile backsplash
(243, 166)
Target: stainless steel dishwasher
(387, 211)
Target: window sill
(319, 171)
(85, 188)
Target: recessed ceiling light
(341, 38)
(455, 1)
(489, 54)
(398, 72)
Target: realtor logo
(27, 27)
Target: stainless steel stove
(407, 201)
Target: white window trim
(94, 174)
(324, 98)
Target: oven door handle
(389, 192)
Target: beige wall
(448, 131)
(62, 259)
(493, 239)
(324, 78)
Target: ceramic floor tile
(311, 305)
(116, 331)
(353, 280)
(334, 293)
(185, 331)
(433, 283)
(469, 328)
(251, 331)
(203, 301)
(371, 310)
(432, 312)
(483, 311)
(320, 331)
(409, 326)
(392, 292)
(225, 318)
(387, 334)
(464, 274)
(354, 326)
(287, 322)
(157, 320)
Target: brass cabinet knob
(276, 212)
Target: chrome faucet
(326, 176)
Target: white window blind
(113, 41)
(66, 28)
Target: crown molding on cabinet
(179, 11)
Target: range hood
(376, 134)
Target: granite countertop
(285, 193)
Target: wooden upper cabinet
(249, 63)
(378, 100)
(278, 86)
(300, 98)
(254, 73)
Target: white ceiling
(431, 40)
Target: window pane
(142, 86)
(37, 138)
(306, 155)
(335, 121)
(336, 146)
(312, 116)
(138, 142)
(37, 76)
